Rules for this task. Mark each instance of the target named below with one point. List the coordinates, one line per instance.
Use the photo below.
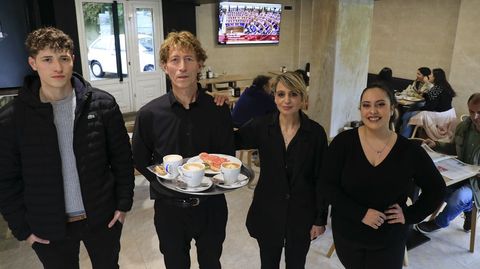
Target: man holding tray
(185, 121)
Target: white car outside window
(102, 59)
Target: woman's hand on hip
(395, 214)
(374, 218)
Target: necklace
(371, 147)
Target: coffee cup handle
(168, 168)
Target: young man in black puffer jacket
(66, 172)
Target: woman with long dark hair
(438, 99)
(367, 190)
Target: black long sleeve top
(353, 185)
(437, 99)
(164, 126)
(286, 195)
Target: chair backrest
(437, 125)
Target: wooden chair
(8, 234)
(249, 153)
(436, 125)
(473, 231)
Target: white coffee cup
(171, 163)
(192, 173)
(230, 172)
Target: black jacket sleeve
(322, 204)
(120, 157)
(12, 206)
(142, 145)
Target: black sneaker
(467, 224)
(427, 227)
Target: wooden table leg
(473, 228)
(405, 258)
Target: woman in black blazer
(286, 210)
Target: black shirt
(164, 126)
(353, 185)
(286, 197)
(437, 99)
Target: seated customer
(256, 100)
(421, 84)
(466, 145)
(385, 77)
(438, 99)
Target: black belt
(184, 202)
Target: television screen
(13, 56)
(248, 23)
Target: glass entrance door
(119, 43)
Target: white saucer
(205, 185)
(167, 176)
(241, 181)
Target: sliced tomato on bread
(213, 161)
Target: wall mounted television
(248, 23)
(14, 27)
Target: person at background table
(286, 211)
(66, 173)
(256, 100)
(437, 99)
(421, 83)
(368, 191)
(184, 121)
(466, 146)
(385, 76)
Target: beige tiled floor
(448, 248)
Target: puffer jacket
(31, 182)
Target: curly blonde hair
(182, 40)
(48, 38)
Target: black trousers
(102, 244)
(353, 257)
(296, 244)
(177, 226)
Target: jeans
(458, 200)
(406, 129)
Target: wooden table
(232, 100)
(231, 79)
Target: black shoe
(467, 224)
(427, 227)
